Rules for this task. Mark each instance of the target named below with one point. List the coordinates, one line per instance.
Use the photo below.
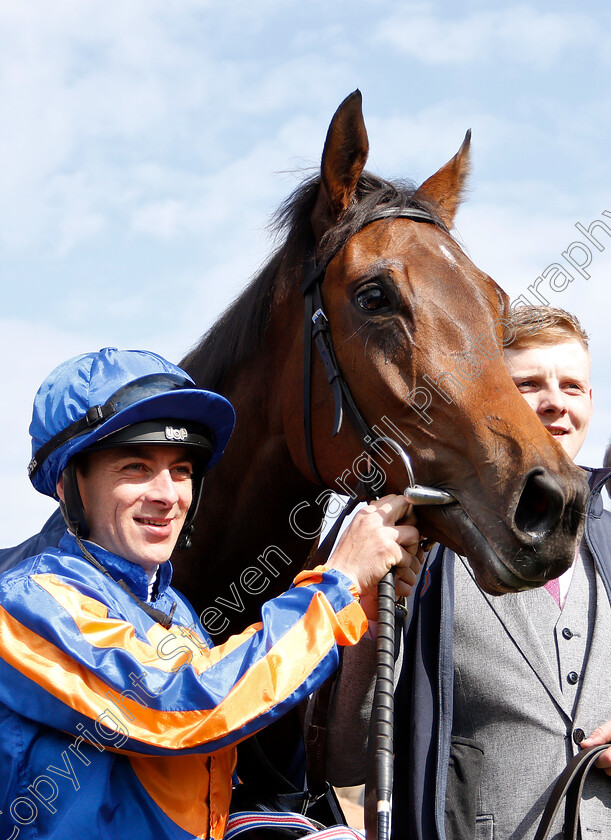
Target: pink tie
(553, 587)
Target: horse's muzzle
(540, 507)
(536, 542)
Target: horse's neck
(250, 506)
(249, 541)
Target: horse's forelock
(241, 329)
(372, 195)
(291, 222)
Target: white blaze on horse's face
(554, 379)
(446, 253)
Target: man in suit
(497, 693)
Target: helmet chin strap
(184, 542)
(72, 507)
(165, 619)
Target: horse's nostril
(540, 506)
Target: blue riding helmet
(119, 397)
(93, 395)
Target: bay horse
(414, 330)
(416, 338)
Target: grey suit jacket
(529, 680)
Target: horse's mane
(241, 329)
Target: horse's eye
(372, 299)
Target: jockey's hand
(601, 735)
(382, 536)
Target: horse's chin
(492, 574)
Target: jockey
(119, 717)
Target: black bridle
(317, 332)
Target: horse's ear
(343, 160)
(446, 187)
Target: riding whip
(384, 691)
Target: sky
(144, 146)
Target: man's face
(554, 379)
(136, 499)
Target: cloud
(515, 249)
(112, 109)
(522, 33)
(30, 355)
(146, 144)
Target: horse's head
(417, 330)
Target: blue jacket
(114, 727)
(424, 698)
(50, 535)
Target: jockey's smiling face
(136, 499)
(554, 379)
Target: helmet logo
(176, 434)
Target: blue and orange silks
(113, 727)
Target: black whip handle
(384, 702)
